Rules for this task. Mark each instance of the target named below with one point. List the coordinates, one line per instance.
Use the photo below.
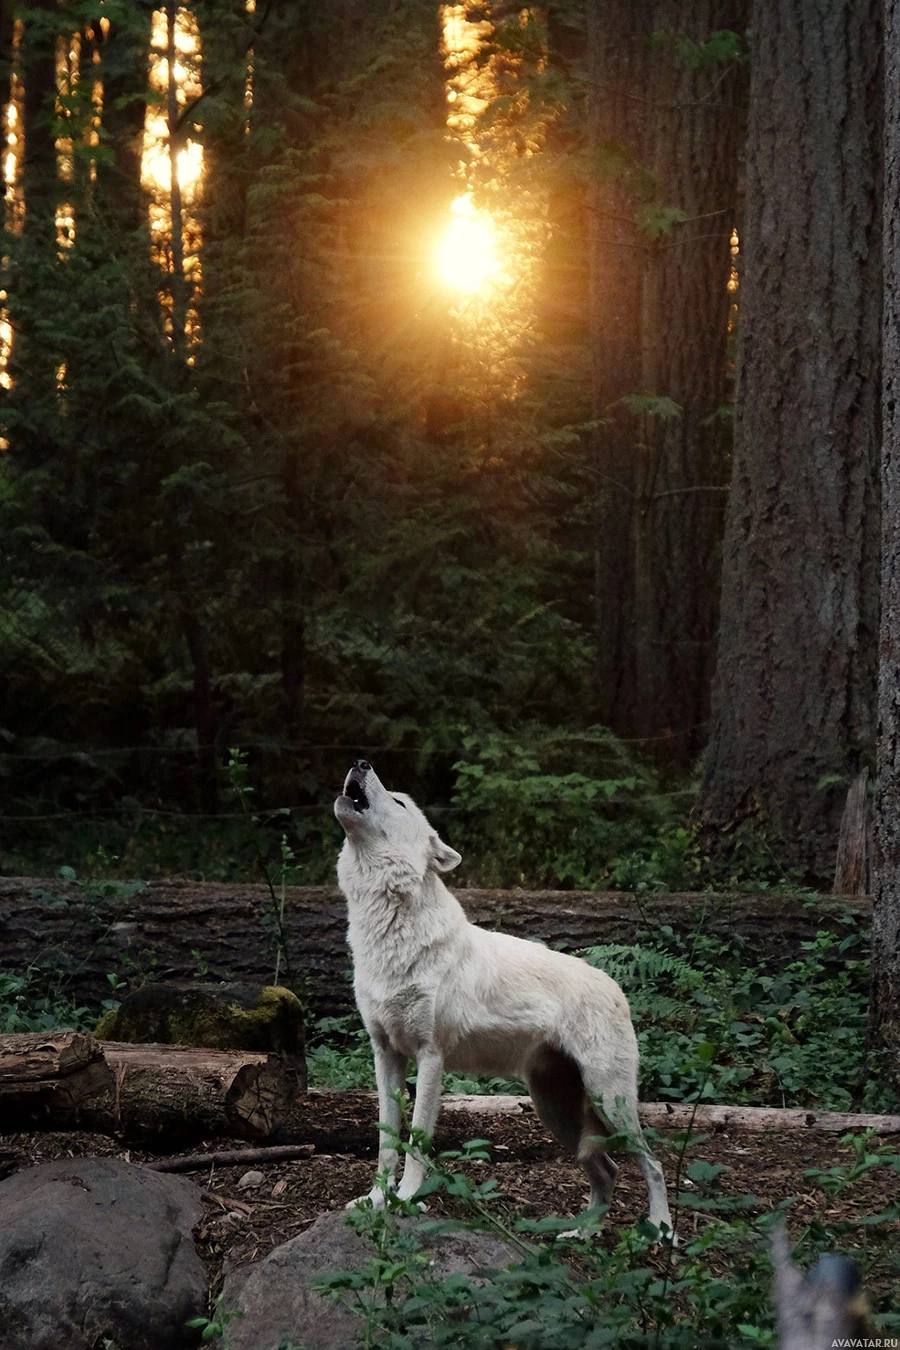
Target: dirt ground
(535, 1178)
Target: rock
(249, 1180)
(215, 1016)
(97, 1251)
(278, 1304)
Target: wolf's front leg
(429, 1084)
(390, 1075)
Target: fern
(631, 965)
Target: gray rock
(278, 1304)
(96, 1251)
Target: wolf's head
(389, 824)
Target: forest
(504, 396)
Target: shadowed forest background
(275, 493)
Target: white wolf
(433, 987)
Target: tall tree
(665, 126)
(794, 697)
(885, 1004)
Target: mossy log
(217, 1017)
(142, 1091)
(179, 930)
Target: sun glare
(466, 257)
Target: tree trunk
(659, 326)
(171, 927)
(850, 873)
(795, 690)
(178, 286)
(293, 619)
(885, 1004)
(194, 632)
(33, 260)
(695, 165)
(616, 71)
(124, 72)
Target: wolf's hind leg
(557, 1090)
(620, 1110)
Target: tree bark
(616, 70)
(795, 691)
(170, 927)
(885, 1004)
(850, 873)
(695, 158)
(665, 132)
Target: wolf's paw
(407, 1196)
(377, 1199)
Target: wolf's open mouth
(354, 791)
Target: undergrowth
(562, 1292)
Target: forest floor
(535, 1178)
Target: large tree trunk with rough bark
(665, 132)
(680, 514)
(794, 699)
(171, 928)
(885, 1005)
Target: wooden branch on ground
(168, 922)
(70, 1081)
(234, 1157)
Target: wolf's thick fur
(435, 988)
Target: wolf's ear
(442, 857)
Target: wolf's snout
(354, 787)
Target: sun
(466, 257)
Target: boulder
(98, 1251)
(279, 1305)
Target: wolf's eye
(399, 803)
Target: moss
(220, 1017)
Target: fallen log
(49, 1073)
(171, 927)
(683, 1115)
(660, 1115)
(69, 1081)
(173, 1090)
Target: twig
(196, 1162)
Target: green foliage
(723, 45)
(550, 807)
(790, 1037)
(562, 1291)
(656, 221)
(212, 1328)
(339, 1054)
(27, 1004)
